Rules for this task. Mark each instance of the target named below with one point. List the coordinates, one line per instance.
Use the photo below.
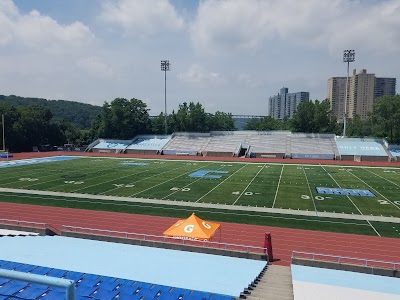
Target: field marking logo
(210, 174)
(345, 192)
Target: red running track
(284, 240)
(26, 155)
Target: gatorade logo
(206, 225)
(188, 228)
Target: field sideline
(269, 185)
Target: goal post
(3, 136)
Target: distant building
(364, 88)
(285, 104)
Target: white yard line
(277, 188)
(189, 184)
(383, 178)
(391, 202)
(311, 194)
(220, 183)
(78, 196)
(191, 171)
(130, 174)
(248, 185)
(41, 182)
(348, 197)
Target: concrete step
(275, 283)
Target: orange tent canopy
(192, 228)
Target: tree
(220, 121)
(123, 119)
(314, 117)
(325, 122)
(386, 112)
(358, 127)
(266, 123)
(303, 119)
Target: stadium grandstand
(363, 149)
(254, 144)
(107, 263)
(313, 146)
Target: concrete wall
(346, 267)
(166, 245)
(41, 231)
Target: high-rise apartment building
(285, 104)
(364, 88)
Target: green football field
(286, 186)
(238, 191)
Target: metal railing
(347, 260)
(23, 223)
(69, 285)
(35, 225)
(165, 239)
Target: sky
(229, 55)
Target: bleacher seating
(268, 143)
(395, 151)
(147, 144)
(367, 149)
(110, 146)
(91, 286)
(186, 144)
(315, 146)
(225, 143)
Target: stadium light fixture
(165, 67)
(348, 57)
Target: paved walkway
(208, 205)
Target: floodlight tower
(165, 68)
(348, 57)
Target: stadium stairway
(274, 283)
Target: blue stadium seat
(90, 280)
(221, 297)
(75, 276)
(127, 289)
(57, 273)
(106, 279)
(85, 291)
(3, 281)
(148, 293)
(11, 266)
(181, 291)
(102, 294)
(32, 293)
(41, 270)
(123, 296)
(54, 295)
(143, 285)
(126, 281)
(108, 285)
(174, 295)
(200, 295)
(12, 288)
(26, 268)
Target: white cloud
(229, 25)
(249, 81)
(39, 31)
(198, 75)
(96, 67)
(142, 17)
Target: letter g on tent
(188, 228)
(206, 225)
